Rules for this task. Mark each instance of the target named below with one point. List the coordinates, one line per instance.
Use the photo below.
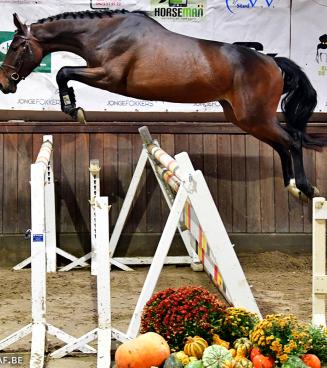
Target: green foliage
(319, 342)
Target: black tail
(299, 102)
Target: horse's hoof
(292, 188)
(316, 192)
(80, 115)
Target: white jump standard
(45, 157)
(193, 212)
(39, 327)
(319, 275)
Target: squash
(233, 352)
(254, 351)
(294, 362)
(195, 346)
(261, 361)
(242, 362)
(243, 346)
(238, 363)
(311, 360)
(184, 358)
(173, 362)
(215, 356)
(145, 351)
(218, 341)
(195, 364)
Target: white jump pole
(319, 277)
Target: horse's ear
(21, 27)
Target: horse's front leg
(81, 74)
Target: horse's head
(24, 54)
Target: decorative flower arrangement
(280, 336)
(178, 313)
(238, 322)
(319, 342)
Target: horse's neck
(59, 36)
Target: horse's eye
(14, 48)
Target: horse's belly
(187, 93)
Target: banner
(309, 44)
(261, 24)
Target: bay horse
(131, 54)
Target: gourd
(261, 361)
(145, 351)
(215, 356)
(195, 364)
(218, 341)
(294, 362)
(173, 362)
(243, 346)
(238, 363)
(195, 346)
(311, 360)
(184, 358)
(243, 362)
(233, 352)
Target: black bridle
(16, 69)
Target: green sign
(190, 10)
(5, 41)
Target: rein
(15, 75)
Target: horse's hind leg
(288, 146)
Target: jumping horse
(131, 54)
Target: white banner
(309, 44)
(264, 23)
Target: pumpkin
(218, 341)
(215, 356)
(145, 351)
(294, 362)
(311, 360)
(195, 346)
(184, 358)
(261, 361)
(173, 362)
(254, 351)
(243, 346)
(195, 364)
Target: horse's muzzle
(10, 88)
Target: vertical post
(94, 192)
(319, 286)
(103, 282)
(50, 214)
(38, 266)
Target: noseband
(16, 69)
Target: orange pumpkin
(145, 351)
(311, 360)
(261, 361)
(254, 351)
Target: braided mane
(87, 14)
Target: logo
(233, 5)
(5, 41)
(321, 55)
(179, 10)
